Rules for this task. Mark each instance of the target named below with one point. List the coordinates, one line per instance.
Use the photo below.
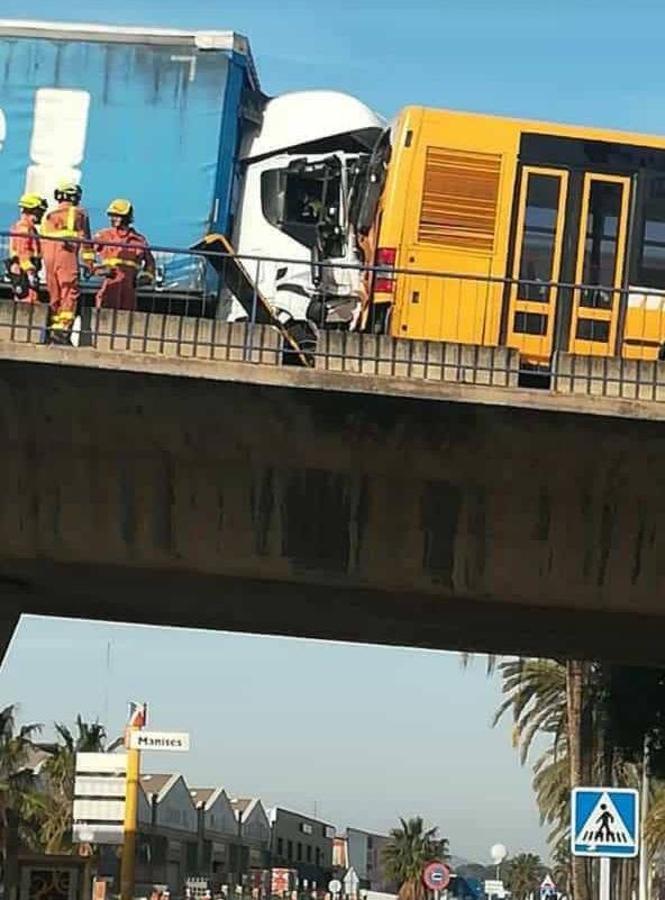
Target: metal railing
(443, 326)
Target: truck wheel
(316, 312)
(305, 337)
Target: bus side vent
(460, 199)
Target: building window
(299, 852)
(318, 856)
(280, 846)
(289, 850)
(309, 853)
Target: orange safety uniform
(25, 255)
(61, 260)
(123, 265)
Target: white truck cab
(298, 175)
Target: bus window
(533, 297)
(650, 267)
(600, 263)
(539, 237)
(600, 246)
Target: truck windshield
(299, 200)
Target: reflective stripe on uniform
(62, 320)
(116, 261)
(69, 231)
(53, 232)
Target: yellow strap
(88, 254)
(65, 233)
(26, 265)
(116, 261)
(61, 319)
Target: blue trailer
(154, 115)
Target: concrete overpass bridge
(187, 488)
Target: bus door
(539, 233)
(600, 264)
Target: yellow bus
(501, 231)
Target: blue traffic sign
(605, 822)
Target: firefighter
(24, 260)
(123, 267)
(61, 257)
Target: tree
(573, 704)
(524, 874)
(599, 720)
(59, 776)
(19, 801)
(576, 682)
(408, 851)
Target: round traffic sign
(436, 876)
(334, 886)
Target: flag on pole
(138, 715)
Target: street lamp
(498, 853)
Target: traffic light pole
(128, 861)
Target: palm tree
(524, 874)
(408, 851)
(545, 697)
(59, 777)
(19, 802)
(534, 692)
(576, 682)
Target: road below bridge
(234, 496)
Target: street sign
(176, 741)
(99, 786)
(436, 876)
(99, 810)
(101, 763)
(283, 881)
(99, 798)
(495, 889)
(351, 882)
(605, 822)
(547, 887)
(87, 833)
(335, 886)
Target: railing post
(249, 335)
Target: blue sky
(365, 733)
(596, 62)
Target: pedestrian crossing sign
(605, 822)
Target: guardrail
(198, 338)
(176, 324)
(191, 337)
